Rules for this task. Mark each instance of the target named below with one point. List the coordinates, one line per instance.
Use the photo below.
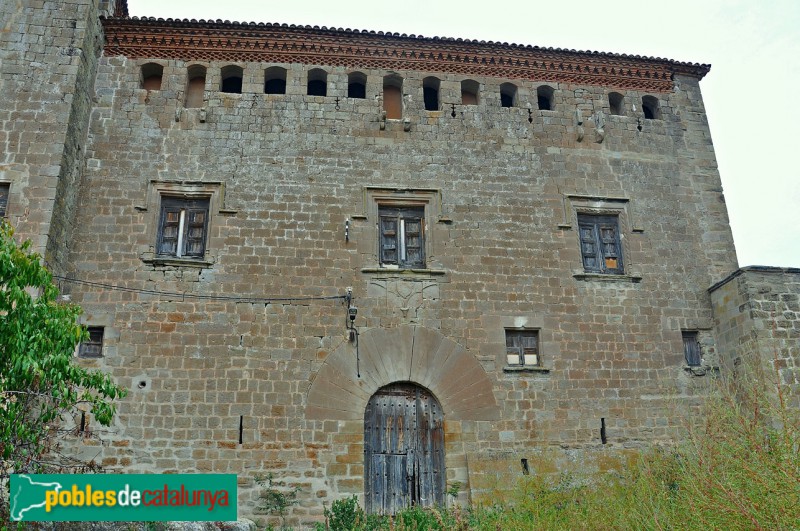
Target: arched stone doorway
(403, 449)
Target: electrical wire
(199, 296)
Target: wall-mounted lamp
(352, 331)
(347, 230)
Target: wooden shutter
(601, 249)
(168, 235)
(402, 236)
(414, 241)
(389, 226)
(4, 188)
(93, 347)
(522, 347)
(691, 349)
(195, 230)
(589, 246)
(609, 241)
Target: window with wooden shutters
(92, 347)
(402, 238)
(4, 188)
(183, 226)
(522, 348)
(600, 243)
(691, 349)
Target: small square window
(4, 189)
(691, 349)
(522, 348)
(92, 347)
(402, 236)
(183, 227)
(600, 244)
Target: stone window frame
(509, 91)
(393, 101)
(228, 72)
(575, 205)
(546, 98)
(316, 79)
(616, 103)
(471, 88)
(99, 319)
(428, 198)
(195, 93)
(213, 191)
(651, 107)
(495, 350)
(431, 94)
(274, 76)
(709, 357)
(148, 72)
(356, 85)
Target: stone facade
(241, 360)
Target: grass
(738, 467)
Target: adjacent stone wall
(757, 315)
(48, 58)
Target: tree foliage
(40, 386)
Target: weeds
(276, 497)
(738, 467)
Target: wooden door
(403, 449)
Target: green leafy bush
(39, 383)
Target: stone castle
(372, 263)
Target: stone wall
(757, 315)
(286, 172)
(48, 58)
(253, 333)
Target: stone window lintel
(596, 204)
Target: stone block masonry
(757, 314)
(225, 223)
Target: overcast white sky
(753, 48)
